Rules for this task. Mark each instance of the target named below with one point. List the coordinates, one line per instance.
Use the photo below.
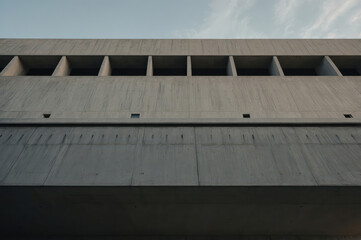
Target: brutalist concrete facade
(241, 139)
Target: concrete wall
(180, 47)
(180, 97)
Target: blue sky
(180, 18)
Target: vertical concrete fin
(231, 67)
(14, 68)
(275, 68)
(105, 69)
(328, 68)
(189, 66)
(63, 67)
(150, 66)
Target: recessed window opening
(246, 115)
(46, 115)
(169, 66)
(135, 115)
(209, 65)
(4, 60)
(84, 65)
(303, 65)
(39, 65)
(128, 65)
(348, 65)
(253, 65)
(348, 115)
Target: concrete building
(175, 139)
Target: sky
(180, 18)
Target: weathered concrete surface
(180, 97)
(180, 47)
(180, 156)
(180, 211)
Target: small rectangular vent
(135, 115)
(348, 115)
(46, 115)
(246, 115)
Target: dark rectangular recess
(128, 65)
(84, 65)
(46, 115)
(246, 115)
(301, 65)
(39, 65)
(4, 61)
(348, 115)
(169, 65)
(209, 65)
(135, 115)
(253, 65)
(348, 65)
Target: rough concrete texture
(181, 156)
(180, 97)
(175, 178)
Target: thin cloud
(332, 11)
(282, 19)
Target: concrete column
(63, 67)
(150, 66)
(275, 68)
(14, 68)
(328, 68)
(231, 67)
(189, 66)
(105, 69)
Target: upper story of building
(180, 79)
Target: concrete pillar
(14, 68)
(189, 66)
(231, 67)
(105, 69)
(327, 68)
(150, 66)
(275, 68)
(63, 68)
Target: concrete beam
(63, 68)
(189, 66)
(150, 66)
(328, 68)
(231, 67)
(275, 68)
(105, 69)
(14, 68)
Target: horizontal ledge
(183, 122)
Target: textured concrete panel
(64, 211)
(181, 156)
(181, 46)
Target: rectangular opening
(135, 115)
(4, 60)
(348, 65)
(128, 65)
(209, 65)
(253, 65)
(348, 115)
(302, 65)
(84, 65)
(39, 65)
(246, 115)
(46, 115)
(169, 66)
